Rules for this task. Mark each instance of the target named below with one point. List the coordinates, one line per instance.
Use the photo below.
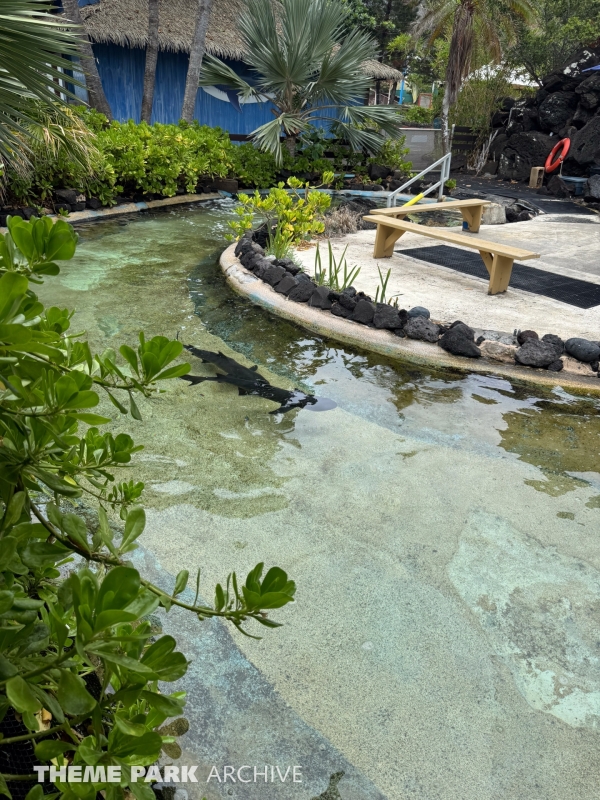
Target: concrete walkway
(567, 246)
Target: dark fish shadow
(249, 381)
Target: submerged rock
(423, 329)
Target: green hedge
(141, 159)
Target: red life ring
(563, 146)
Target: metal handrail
(444, 162)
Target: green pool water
(442, 528)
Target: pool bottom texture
(442, 530)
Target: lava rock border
(280, 286)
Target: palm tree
(151, 59)
(310, 68)
(484, 23)
(196, 55)
(35, 48)
(97, 98)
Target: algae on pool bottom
(442, 530)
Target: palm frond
(385, 118)
(341, 77)
(214, 71)
(268, 136)
(34, 53)
(434, 17)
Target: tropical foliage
(34, 49)
(129, 159)
(562, 27)
(470, 24)
(479, 98)
(311, 68)
(79, 662)
(289, 217)
(384, 19)
(132, 158)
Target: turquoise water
(442, 529)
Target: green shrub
(62, 630)
(252, 167)
(62, 151)
(392, 155)
(417, 114)
(295, 216)
(256, 169)
(159, 159)
(131, 158)
(135, 158)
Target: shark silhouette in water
(250, 381)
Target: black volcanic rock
(386, 317)
(302, 292)
(458, 340)
(363, 313)
(286, 284)
(557, 110)
(582, 349)
(320, 298)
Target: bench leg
(385, 239)
(500, 274)
(488, 260)
(472, 217)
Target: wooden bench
(498, 258)
(471, 210)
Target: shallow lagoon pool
(442, 529)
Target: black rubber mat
(580, 294)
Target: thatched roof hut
(125, 23)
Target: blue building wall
(122, 73)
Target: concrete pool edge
(90, 215)
(383, 342)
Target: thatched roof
(375, 69)
(125, 22)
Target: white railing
(444, 165)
